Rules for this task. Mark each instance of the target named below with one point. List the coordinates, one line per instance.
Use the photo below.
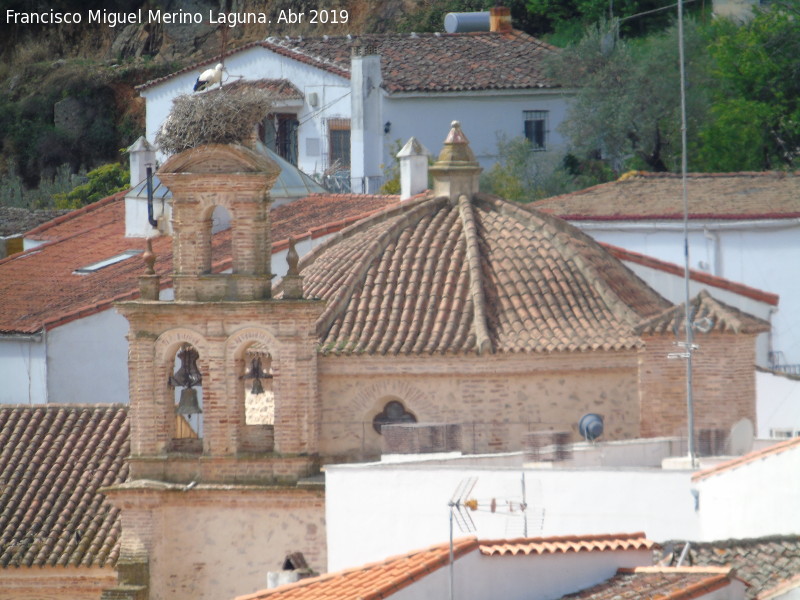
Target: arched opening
(186, 383)
(393, 412)
(255, 367)
(220, 244)
(259, 398)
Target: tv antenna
(462, 504)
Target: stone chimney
(366, 125)
(456, 172)
(413, 169)
(142, 154)
(500, 19)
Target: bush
(103, 181)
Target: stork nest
(218, 117)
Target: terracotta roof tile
(53, 294)
(429, 277)
(723, 318)
(372, 581)
(649, 196)
(566, 544)
(53, 461)
(381, 579)
(429, 62)
(763, 563)
(750, 457)
(667, 583)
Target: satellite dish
(591, 426)
(741, 439)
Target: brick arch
(371, 400)
(168, 343)
(238, 342)
(166, 348)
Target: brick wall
(723, 384)
(212, 542)
(55, 583)
(496, 399)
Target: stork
(208, 78)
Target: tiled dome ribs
(483, 341)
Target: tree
(626, 110)
(755, 120)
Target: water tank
(466, 22)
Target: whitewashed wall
(259, 63)
(672, 288)
(375, 511)
(757, 499)
(88, 360)
(23, 370)
(761, 254)
(484, 116)
(778, 403)
(523, 577)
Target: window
(783, 433)
(339, 143)
(393, 412)
(278, 132)
(536, 128)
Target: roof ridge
(483, 342)
(374, 248)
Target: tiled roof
(750, 457)
(53, 460)
(665, 583)
(372, 581)
(723, 318)
(763, 563)
(19, 220)
(430, 276)
(740, 289)
(652, 196)
(567, 544)
(381, 579)
(38, 288)
(278, 89)
(431, 62)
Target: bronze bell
(256, 373)
(188, 404)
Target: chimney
(366, 126)
(413, 169)
(142, 154)
(500, 19)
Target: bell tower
(224, 404)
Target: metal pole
(688, 312)
(452, 566)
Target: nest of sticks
(218, 117)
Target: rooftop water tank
(466, 21)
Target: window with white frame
(535, 123)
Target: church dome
(477, 275)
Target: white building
(605, 486)
(743, 227)
(343, 103)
